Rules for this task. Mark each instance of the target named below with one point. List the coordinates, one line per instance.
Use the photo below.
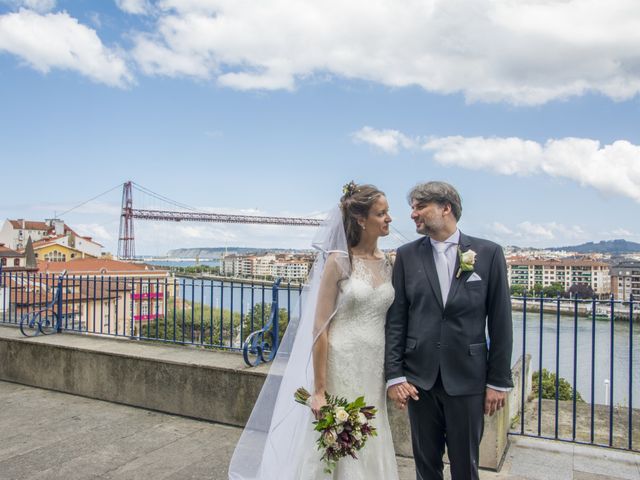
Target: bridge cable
(164, 199)
(90, 200)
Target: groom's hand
(494, 400)
(401, 392)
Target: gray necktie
(443, 268)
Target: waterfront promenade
(49, 435)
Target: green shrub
(565, 390)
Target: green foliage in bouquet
(344, 426)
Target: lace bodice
(356, 333)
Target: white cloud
(98, 232)
(389, 141)
(622, 232)
(41, 6)
(535, 231)
(500, 229)
(158, 238)
(528, 233)
(135, 7)
(57, 40)
(519, 51)
(613, 168)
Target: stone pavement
(49, 435)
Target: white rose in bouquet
(341, 415)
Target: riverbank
(582, 310)
(245, 281)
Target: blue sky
(530, 108)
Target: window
(4, 261)
(55, 256)
(16, 262)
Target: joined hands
(401, 392)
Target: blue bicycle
(45, 320)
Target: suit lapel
(464, 244)
(429, 265)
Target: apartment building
(625, 280)
(287, 266)
(567, 272)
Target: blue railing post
(59, 290)
(275, 317)
(258, 343)
(630, 372)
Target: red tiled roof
(99, 266)
(35, 225)
(7, 252)
(29, 225)
(46, 241)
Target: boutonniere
(467, 261)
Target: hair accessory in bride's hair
(349, 188)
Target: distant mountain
(604, 246)
(217, 252)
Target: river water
(590, 354)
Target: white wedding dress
(355, 367)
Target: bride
(336, 346)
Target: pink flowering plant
(344, 426)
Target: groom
(449, 290)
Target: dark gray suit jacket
(423, 337)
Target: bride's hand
(318, 401)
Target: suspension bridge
(175, 211)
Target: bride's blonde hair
(356, 204)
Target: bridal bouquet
(344, 426)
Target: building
(12, 260)
(288, 266)
(15, 234)
(100, 295)
(625, 280)
(567, 272)
(67, 247)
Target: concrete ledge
(196, 383)
(187, 381)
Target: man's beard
(429, 229)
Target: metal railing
(584, 369)
(189, 311)
(584, 350)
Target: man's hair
(439, 192)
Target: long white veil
(271, 444)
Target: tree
(581, 290)
(565, 391)
(518, 290)
(198, 324)
(259, 313)
(553, 290)
(537, 289)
